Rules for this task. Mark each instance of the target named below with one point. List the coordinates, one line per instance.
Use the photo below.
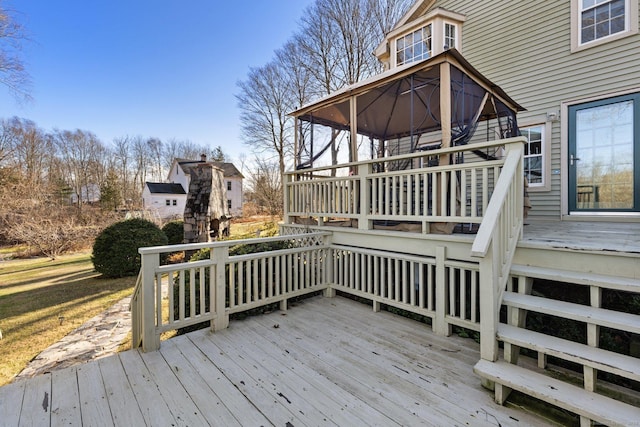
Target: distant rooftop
(165, 188)
(228, 169)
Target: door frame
(564, 164)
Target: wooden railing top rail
(417, 154)
(485, 233)
(225, 243)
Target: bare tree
(140, 157)
(184, 149)
(265, 187)
(123, 163)
(31, 149)
(12, 72)
(264, 100)
(156, 169)
(338, 38)
(81, 156)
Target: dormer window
(450, 38)
(414, 46)
(422, 38)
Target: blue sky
(155, 68)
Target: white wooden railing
(442, 289)
(399, 188)
(173, 296)
(447, 291)
(495, 244)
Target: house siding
(525, 48)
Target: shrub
(115, 251)
(174, 230)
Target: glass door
(604, 155)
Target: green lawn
(41, 301)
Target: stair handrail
(496, 241)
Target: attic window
(414, 46)
(423, 38)
(450, 38)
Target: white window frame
(425, 55)
(387, 52)
(630, 26)
(456, 44)
(542, 154)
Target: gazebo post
(353, 118)
(445, 108)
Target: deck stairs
(582, 393)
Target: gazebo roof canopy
(407, 100)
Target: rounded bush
(174, 230)
(115, 251)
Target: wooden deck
(326, 361)
(619, 237)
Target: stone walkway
(100, 336)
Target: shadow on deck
(326, 361)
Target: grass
(41, 301)
(249, 228)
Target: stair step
(577, 400)
(583, 313)
(577, 277)
(597, 358)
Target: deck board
(397, 379)
(617, 237)
(65, 409)
(326, 361)
(119, 393)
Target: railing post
(364, 204)
(440, 325)
(286, 218)
(136, 308)
(327, 270)
(219, 257)
(149, 263)
(488, 306)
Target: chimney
(203, 157)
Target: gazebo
(443, 96)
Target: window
(228, 185)
(167, 202)
(422, 38)
(228, 204)
(414, 46)
(595, 22)
(450, 39)
(175, 202)
(534, 161)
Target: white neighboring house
(179, 174)
(166, 200)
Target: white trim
(631, 26)
(545, 143)
(458, 35)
